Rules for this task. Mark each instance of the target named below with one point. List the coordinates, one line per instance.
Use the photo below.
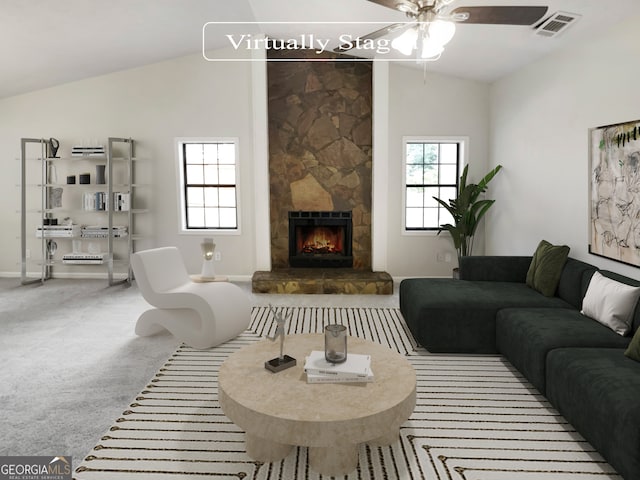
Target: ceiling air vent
(556, 24)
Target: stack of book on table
(355, 369)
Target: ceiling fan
(432, 28)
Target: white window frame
(179, 142)
(462, 141)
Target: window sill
(210, 231)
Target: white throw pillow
(610, 303)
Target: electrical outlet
(443, 257)
(28, 253)
(217, 256)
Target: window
(432, 169)
(208, 174)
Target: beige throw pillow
(610, 303)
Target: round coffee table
(280, 410)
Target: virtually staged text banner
(243, 39)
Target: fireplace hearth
(320, 239)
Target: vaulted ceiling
(45, 42)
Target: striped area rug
(476, 418)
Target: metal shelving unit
(37, 254)
(45, 269)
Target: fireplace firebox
(320, 239)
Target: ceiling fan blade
(345, 47)
(402, 5)
(502, 15)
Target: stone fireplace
(319, 117)
(320, 171)
(320, 239)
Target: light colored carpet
(476, 418)
(74, 339)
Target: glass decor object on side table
(208, 248)
(335, 343)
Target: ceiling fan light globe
(406, 42)
(431, 51)
(441, 31)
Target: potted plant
(467, 210)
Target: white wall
(540, 118)
(425, 104)
(153, 104)
(188, 96)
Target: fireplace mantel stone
(322, 281)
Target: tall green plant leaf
(467, 210)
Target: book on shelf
(121, 201)
(96, 231)
(83, 258)
(356, 368)
(100, 201)
(57, 231)
(82, 151)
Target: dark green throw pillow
(633, 350)
(546, 267)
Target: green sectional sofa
(577, 362)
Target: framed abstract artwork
(614, 192)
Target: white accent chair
(201, 315)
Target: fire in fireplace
(320, 239)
